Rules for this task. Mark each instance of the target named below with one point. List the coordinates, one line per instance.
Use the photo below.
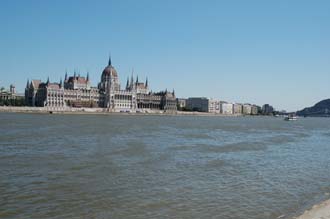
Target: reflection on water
(95, 166)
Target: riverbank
(102, 111)
(319, 211)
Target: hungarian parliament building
(76, 91)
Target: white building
(214, 106)
(226, 108)
(247, 109)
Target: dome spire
(109, 63)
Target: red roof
(80, 80)
(53, 85)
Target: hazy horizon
(274, 52)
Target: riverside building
(181, 103)
(255, 110)
(247, 109)
(214, 106)
(226, 108)
(203, 104)
(237, 109)
(77, 91)
(200, 104)
(267, 109)
(10, 97)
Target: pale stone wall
(247, 109)
(237, 108)
(226, 108)
(214, 106)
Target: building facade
(237, 109)
(76, 91)
(200, 104)
(254, 110)
(181, 103)
(267, 109)
(214, 106)
(247, 109)
(226, 108)
(10, 97)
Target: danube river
(112, 166)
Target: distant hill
(322, 108)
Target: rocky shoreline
(319, 211)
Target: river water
(112, 166)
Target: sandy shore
(320, 211)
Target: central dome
(109, 71)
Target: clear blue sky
(275, 51)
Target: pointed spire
(173, 92)
(127, 83)
(132, 78)
(146, 82)
(109, 62)
(61, 83)
(87, 77)
(27, 83)
(48, 80)
(66, 75)
(75, 74)
(137, 79)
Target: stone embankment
(72, 110)
(26, 109)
